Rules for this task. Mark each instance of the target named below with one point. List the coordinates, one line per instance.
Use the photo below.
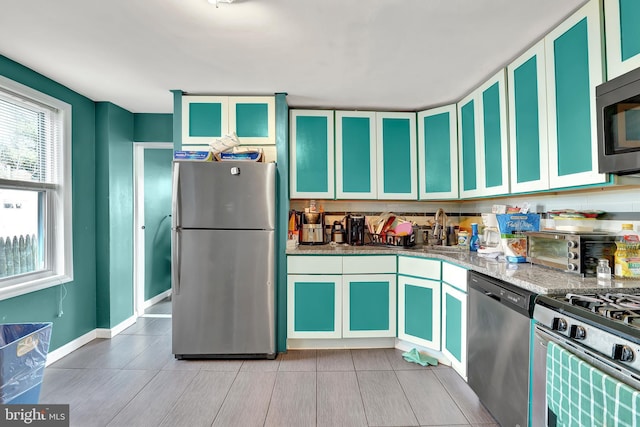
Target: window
(35, 190)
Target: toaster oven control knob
(572, 267)
(572, 255)
(559, 324)
(577, 332)
(572, 244)
(621, 352)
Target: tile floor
(133, 380)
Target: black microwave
(618, 123)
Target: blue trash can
(23, 354)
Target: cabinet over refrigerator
(223, 260)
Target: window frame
(58, 236)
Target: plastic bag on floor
(415, 356)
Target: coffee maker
(491, 241)
(312, 229)
(355, 229)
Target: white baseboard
(319, 344)
(110, 333)
(151, 301)
(60, 352)
(357, 343)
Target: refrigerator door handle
(175, 197)
(177, 261)
(175, 229)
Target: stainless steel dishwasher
(499, 336)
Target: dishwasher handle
(491, 295)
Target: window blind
(29, 140)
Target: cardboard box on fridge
(196, 156)
(512, 228)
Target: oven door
(548, 249)
(573, 386)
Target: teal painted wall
(103, 291)
(177, 119)
(79, 305)
(114, 129)
(149, 127)
(282, 194)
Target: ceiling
(367, 54)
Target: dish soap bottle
(474, 242)
(627, 256)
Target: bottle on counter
(474, 241)
(627, 255)
(463, 239)
(603, 271)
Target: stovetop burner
(615, 306)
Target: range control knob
(572, 244)
(572, 267)
(572, 255)
(559, 324)
(577, 332)
(621, 352)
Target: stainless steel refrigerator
(223, 260)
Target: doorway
(152, 228)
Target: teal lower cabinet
(332, 296)
(419, 301)
(419, 311)
(368, 305)
(314, 308)
(454, 317)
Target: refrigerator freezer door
(223, 294)
(224, 195)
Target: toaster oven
(574, 252)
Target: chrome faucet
(439, 229)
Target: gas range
(591, 339)
(608, 323)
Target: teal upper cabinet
(207, 118)
(467, 142)
(252, 118)
(356, 155)
(438, 153)
(396, 156)
(574, 69)
(311, 154)
(204, 118)
(482, 135)
(528, 121)
(622, 36)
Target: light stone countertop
(540, 280)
